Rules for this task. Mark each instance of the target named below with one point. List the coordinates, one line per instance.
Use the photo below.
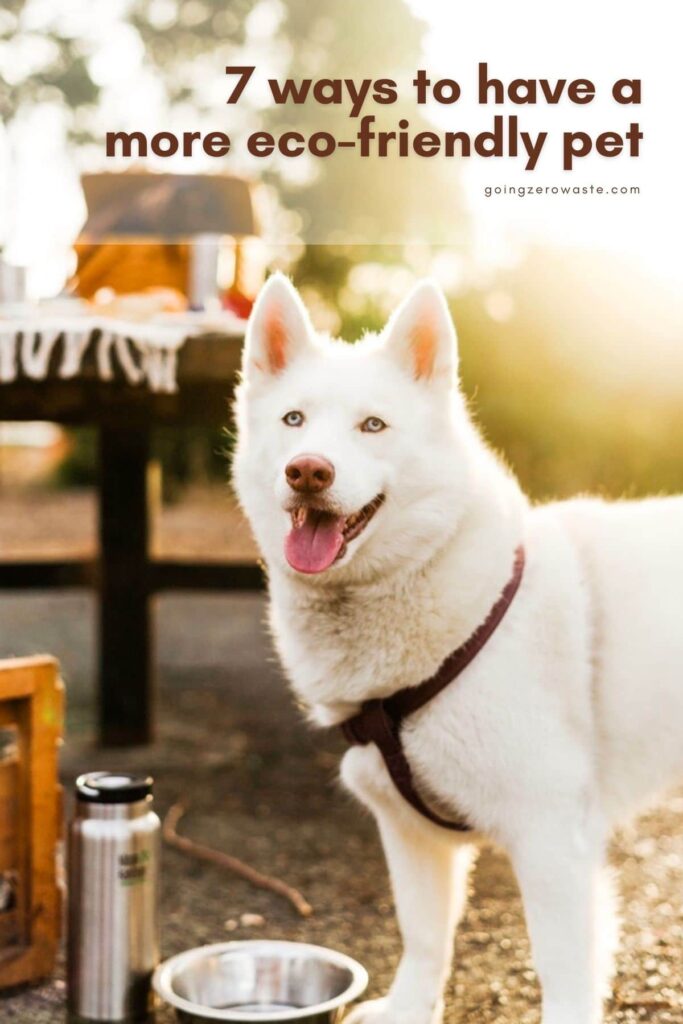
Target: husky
(389, 528)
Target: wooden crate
(31, 722)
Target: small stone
(252, 920)
(231, 925)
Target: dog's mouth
(319, 537)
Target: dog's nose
(309, 474)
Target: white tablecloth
(145, 351)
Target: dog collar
(379, 721)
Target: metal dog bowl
(260, 981)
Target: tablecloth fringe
(145, 353)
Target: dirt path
(262, 786)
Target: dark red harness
(380, 721)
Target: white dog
(389, 531)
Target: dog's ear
(279, 327)
(420, 333)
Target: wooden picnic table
(123, 574)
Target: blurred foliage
(78, 468)
(186, 455)
(580, 386)
(187, 42)
(62, 75)
(189, 455)
(372, 40)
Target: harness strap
(379, 721)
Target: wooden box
(31, 720)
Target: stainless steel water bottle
(113, 865)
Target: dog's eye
(293, 418)
(373, 425)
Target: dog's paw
(372, 1011)
(381, 1011)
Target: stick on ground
(228, 862)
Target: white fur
(568, 720)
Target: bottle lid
(113, 787)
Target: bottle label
(133, 867)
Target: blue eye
(293, 418)
(373, 425)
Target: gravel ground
(263, 787)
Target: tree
(49, 55)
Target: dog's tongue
(313, 546)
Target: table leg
(125, 640)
